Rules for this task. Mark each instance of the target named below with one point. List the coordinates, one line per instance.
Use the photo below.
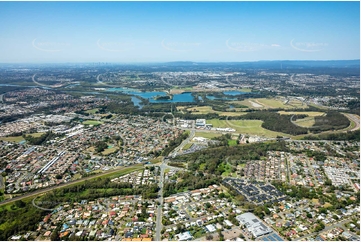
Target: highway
(354, 118)
(159, 225)
(48, 189)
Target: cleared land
(207, 135)
(208, 109)
(265, 103)
(92, 111)
(92, 122)
(187, 146)
(252, 127)
(311, 114)
(18, 139)
(110, 150)
(275, 103)
(305, 122)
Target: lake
(136, 101)
(235, 93)
(177, 98)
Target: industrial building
(253, 224)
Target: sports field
(92, 122)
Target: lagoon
(235, 93)
(177, 98)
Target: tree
(20, 204)
(55, 235)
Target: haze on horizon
(56, 32)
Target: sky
(129, 32)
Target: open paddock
(208, 109)
(251, 127)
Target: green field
(17, 139)
(187, 146)
(252, 127)
(92, 111)
(305, 122)
(232, 142)
(92, 122)
(110, 150)
(208, 109)
(265, 103)
(207, 135)
(311, 114)
(157, 160)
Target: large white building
(184, 236)
(253, 224)
(200, 122)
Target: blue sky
(178, 31)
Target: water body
(231, 107)
(122, 89)
(235, 93)
(136, 101)
(177, 98)
(211, 97)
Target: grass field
(275, 103)
(265, 103)
(110, 150)
(311, 114)
(207, 135)
(208, 109)
(232, 142)
(252, 127)
(17, 139)
(157, 160)
(92, 122)
(187, 146)
(305, 122)
(92, 111)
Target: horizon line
(162, 62)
